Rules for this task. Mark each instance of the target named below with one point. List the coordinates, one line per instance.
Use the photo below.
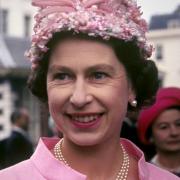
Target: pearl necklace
(122, 173)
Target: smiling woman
(89, 64)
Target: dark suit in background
(18, 147)
(2, 153)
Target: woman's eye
(163, 127)
(62, 76)
(99, 75)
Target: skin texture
(166, 131)
(89, 81)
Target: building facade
(16, 22)
(164, 34)
(6, 107)
(16, 18)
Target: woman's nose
(80, 96)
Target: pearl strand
(122, 173)
(58, 152)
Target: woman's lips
(88, 120)
(174, 142)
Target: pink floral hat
(106, 18)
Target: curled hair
(142, 73)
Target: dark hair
(15, 116)
(176, 107)
(142, 73)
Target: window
(161, 77)
(1, 96)
(1, 127)
(173, 23)
(159, 52)
(1, 111)
(4, 21)
(160, 82)
(27, 21)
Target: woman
(160, 125)
(88, 65)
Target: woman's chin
(86, 140)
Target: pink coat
(43, 166)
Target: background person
(18, 145)
(89, 64)
(2, 153)
(160, 125)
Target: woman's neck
(97, 161)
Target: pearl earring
(133, 103)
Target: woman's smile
(85, 120)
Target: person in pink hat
(160, 125)
(89, 65)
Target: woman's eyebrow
(56, 68)
(99, 67)
(105, 67)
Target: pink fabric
(43, 166)
(105, 18)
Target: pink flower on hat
(106, 18)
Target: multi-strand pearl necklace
(122, 173)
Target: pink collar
(52, 169)
(49, 166)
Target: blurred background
(16, 24)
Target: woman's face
(166, 131)
(88, 91)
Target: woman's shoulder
(158, 173)
(21, 171)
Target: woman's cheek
(52, 102)
(55, 113)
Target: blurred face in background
(24, 121)
(166, 131)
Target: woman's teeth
(85, 119)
